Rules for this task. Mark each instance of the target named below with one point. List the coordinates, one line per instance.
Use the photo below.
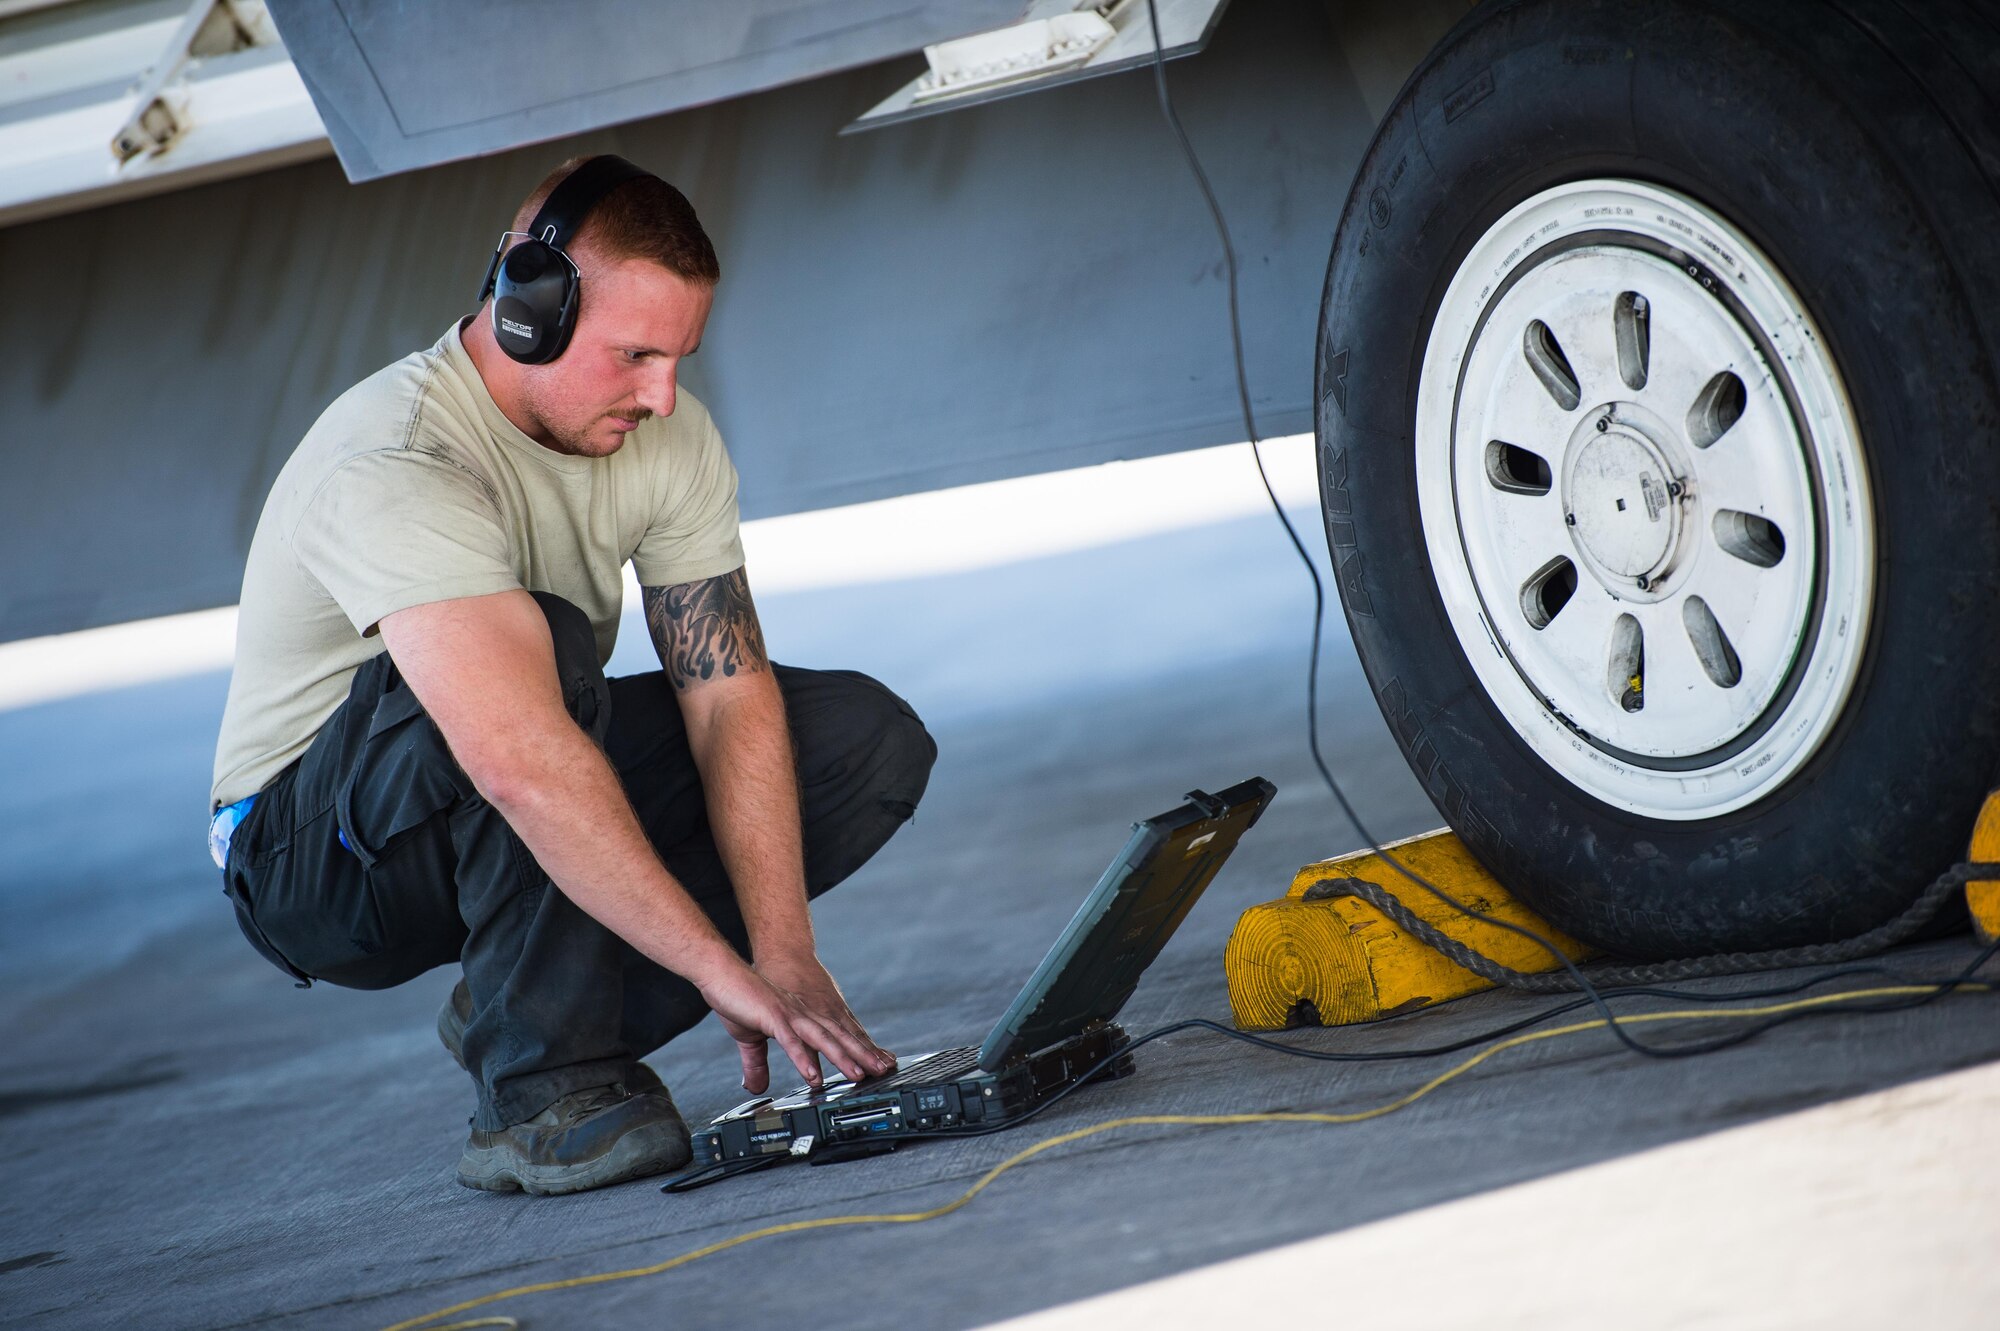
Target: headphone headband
(562, 214)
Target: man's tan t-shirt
(413, 487)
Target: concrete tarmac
(194, 1143)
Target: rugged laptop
(1056, 1030)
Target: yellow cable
(1142, 1120)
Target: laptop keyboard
(945, 1065)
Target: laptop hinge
(1207, 803)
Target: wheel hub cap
(1621, 499)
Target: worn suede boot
(587, 1139)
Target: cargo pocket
(309, 900)
(393, 812)
(403, 775)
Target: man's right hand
(754, 1011)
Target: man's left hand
(801, 975)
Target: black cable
(1938, 988)
(1562, 1009)
(704, 1175)
(1312, 570)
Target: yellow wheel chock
(1329, 960)
(1321, 959)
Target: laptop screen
(1125, 921)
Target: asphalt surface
(194, 1143)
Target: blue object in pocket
(222, 827)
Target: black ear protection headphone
(534, 285)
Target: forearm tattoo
(705, 630)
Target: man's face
(635, 323)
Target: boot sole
(654, 1149)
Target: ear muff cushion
(531, 295)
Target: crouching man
(422, 762)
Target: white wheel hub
(1618, 489)
(1644, 499)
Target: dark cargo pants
(373, 859)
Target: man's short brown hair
(645, 218)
